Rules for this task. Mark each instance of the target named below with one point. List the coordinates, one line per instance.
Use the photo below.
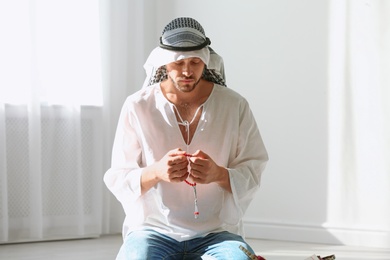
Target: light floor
(106, 247)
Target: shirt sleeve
(245, 169)
(123, 178)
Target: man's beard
(184, 87)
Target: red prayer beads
(189, 183)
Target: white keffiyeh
(183, 38)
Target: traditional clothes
(183, 38)
(148, 128)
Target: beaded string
(250, 255)
(187, 124)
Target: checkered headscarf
(183, 38)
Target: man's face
(185, 74)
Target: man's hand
(204, 170)
(173, 167)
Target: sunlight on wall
(50, 52)
(359, 181)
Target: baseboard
(50, 239)
(315, 234)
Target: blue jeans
(149, 244)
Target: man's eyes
(195, 61)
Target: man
(187, 156)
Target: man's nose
(187, 71)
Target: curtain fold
(359, 133)
(3, 179)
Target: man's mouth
(186, 80)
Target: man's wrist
(224, 179)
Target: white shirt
(148, 129)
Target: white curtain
(66, 67)
(51, 118)
(359, 132)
